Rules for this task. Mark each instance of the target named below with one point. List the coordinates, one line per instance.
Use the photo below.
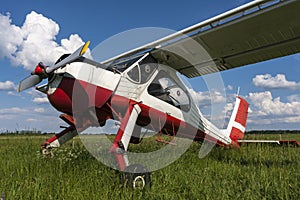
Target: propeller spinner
(41, 71)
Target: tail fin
(237, 123)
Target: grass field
(252, 172)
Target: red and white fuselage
(164, 102)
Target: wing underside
(257, 31)
(263, 34)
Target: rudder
(237, 123)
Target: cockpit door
(134, 79)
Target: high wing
(257, 31)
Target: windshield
(123, 64)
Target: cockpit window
(133, 74)
(142, 71)
(166, 89)
(122, 65)
(147, 71)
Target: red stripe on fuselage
(85, 95)
(88, 96)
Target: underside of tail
(237, 123)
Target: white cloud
(6, 117)
(39, 110)
(19, 118)
(267, 110)
(34, 41)
(40, 100)
(12, 93)
(207, 98)
(37, 96)
(12, 110)
(7, 86)
(10, 36)
(267, 81)
(275, 121)
(230, 87)
(293, 98)
(11, 113)
(32, 120)
(267, 105)
(229, 108)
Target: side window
(143, 70)
(180, 97)
(166, 89)
(147, 71)
(134, 74)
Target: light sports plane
(142, 87)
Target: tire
(137, 177)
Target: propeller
(29, 81)
(41, 71)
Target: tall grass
(252, 172)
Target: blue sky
(271, 87)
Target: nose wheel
(137, 176)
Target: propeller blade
(42, 71)
(77, 54)
(28, 82)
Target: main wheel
(137, 176)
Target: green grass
(252, 172)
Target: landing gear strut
(135, 176)
(57, 140)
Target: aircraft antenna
(238, 91)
